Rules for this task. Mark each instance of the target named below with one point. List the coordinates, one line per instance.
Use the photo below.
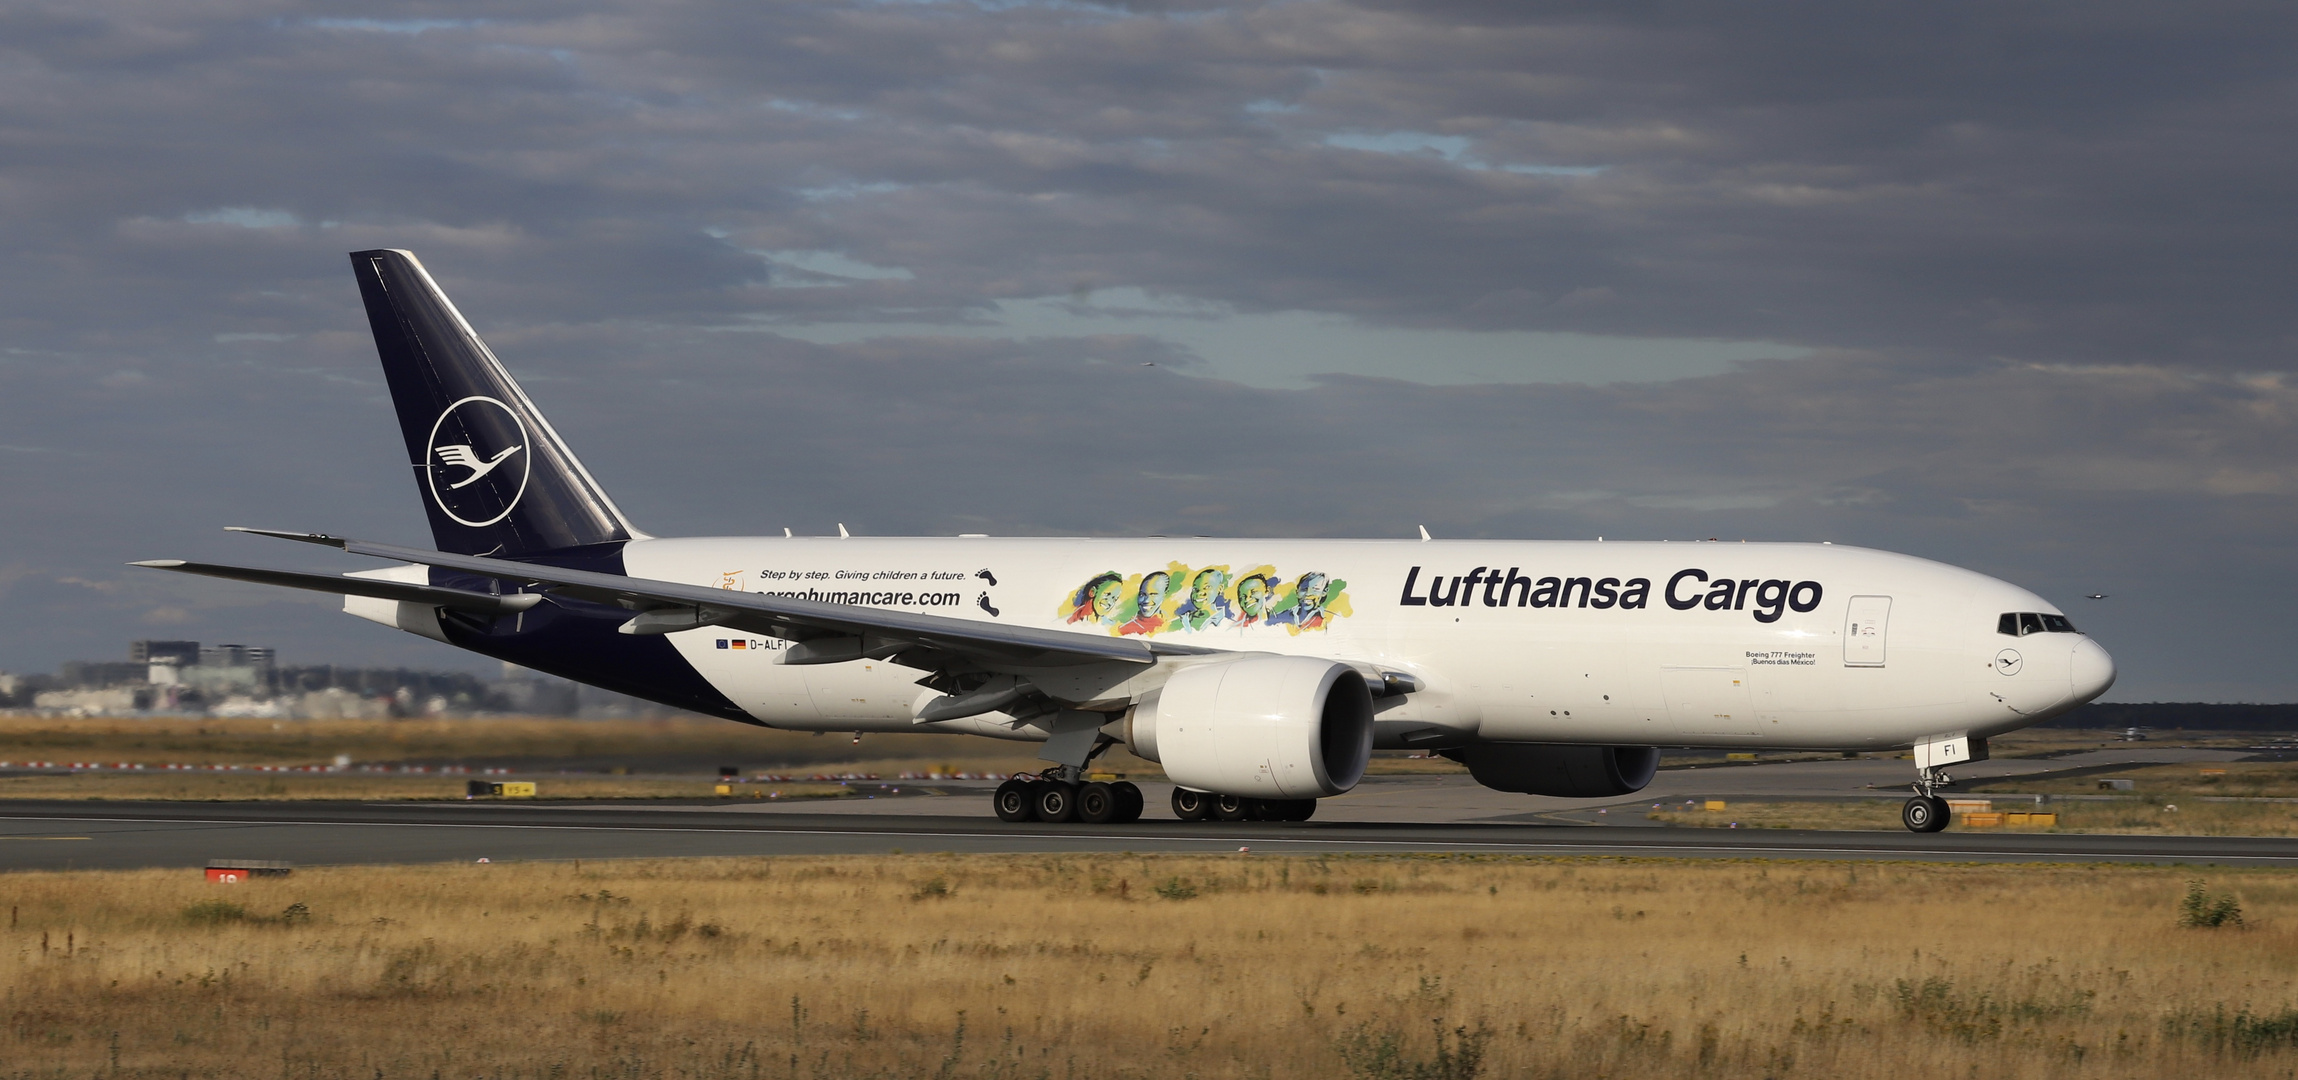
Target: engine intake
(1272, 727)
(1565, 771)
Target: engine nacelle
(1271, 727)
(1562, 770)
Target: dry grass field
(1127, 966)
(375, 787)
(195, 740)
(537, 746)
(200, 741)
(2126, 816)
(2249, 779)
(2044, 740)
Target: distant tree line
(374, 682)
(364, 681)
(2192, 716)
(410, 691)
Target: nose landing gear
(1926, 812)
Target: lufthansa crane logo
(469, 459)
(477, 464)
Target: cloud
(246, 217)
(1452, 148)
(817, 268)
(2000, 285)
(1292, 349)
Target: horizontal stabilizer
(289, 534)
(459, 599)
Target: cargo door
(1708, 700)
(1864, 631)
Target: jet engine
(1270, 727)
(1565, 771)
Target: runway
(85, 835)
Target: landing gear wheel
(1129, 800)
(1192, 805)
(1287, 809)
(1056, 802)
(1012, 801)
(1098, 804)
(1924, 814)
(1236, 808)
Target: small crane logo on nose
(2008, 662)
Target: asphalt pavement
(1384, 815)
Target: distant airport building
(247, 656)
(101, 674)
(186, 677)
(179, 653)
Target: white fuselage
(1782, 645)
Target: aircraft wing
(458, 599)
(825, 632)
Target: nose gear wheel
(1924, 814)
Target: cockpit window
(2022, 623)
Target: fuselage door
(1864, 630)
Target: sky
(2006, 286)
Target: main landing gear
(1926, 812)
(1199, 805)
(1055, 799)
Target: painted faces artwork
(1308, 608)
(1096, 601)
(1252, 598)
(1203, 599)
(1149, 604)
(1206, 603)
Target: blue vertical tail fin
(494, 478)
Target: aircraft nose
(2092, 670)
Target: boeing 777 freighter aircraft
(1260, 673)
